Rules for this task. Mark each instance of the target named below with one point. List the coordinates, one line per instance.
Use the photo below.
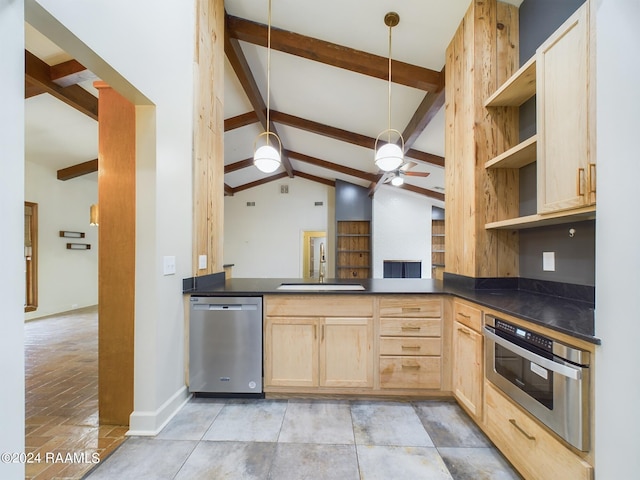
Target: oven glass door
(528, 376)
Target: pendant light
(266, 157)
(390, 155)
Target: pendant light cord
(389, 116)
(268, 68)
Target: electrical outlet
(202, 262)
(549, 261)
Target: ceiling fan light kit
(390, 155)
(267, 158)
(397, 180)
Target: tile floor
(311, 439)
(61, 393)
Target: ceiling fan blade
(416, 174)
(408, 166)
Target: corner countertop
(572, 317)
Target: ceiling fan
(395, 177)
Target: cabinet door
(346, 353)
(565, 175)
(291, 352)
(467, 368)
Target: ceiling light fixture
(266, 157)
(397, 180)
(390, 155)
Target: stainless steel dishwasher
(225, 346)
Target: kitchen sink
(320, 286)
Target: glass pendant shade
(266, 158)
(397, 180)
(389, 157)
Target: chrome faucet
(323, 264)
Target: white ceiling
(59, 136)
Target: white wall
(266, 240)
(401, 229)
(129, 45)
(617, 232)
(67, 279)
(12, 235)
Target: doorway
(311, 256)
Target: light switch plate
(202, 262)
(549, 261)
(169, 265)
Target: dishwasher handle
(224, 307)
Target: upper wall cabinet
(565, 166)
(561, 77)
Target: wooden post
(482, 54)
(116, 257)
(208, 137)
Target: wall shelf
(520, 87)
(537, 220)
(519, 156)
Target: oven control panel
(529, 337)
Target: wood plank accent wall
(482, 54)
(208, 136)
(116, 257)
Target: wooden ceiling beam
(428, 108)
(333, 54)
(228, 191)
(314, 178)
(78, 170)
(350, 137)
(38, 73)
(31, 90)
(241, 68)
(232, 167)
(240, 121)
(262, 181)
(70, 72)
(422, 191)
(370, 177)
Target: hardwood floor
(62, 437)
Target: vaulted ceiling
(328, 92)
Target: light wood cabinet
(291, 352)
(346, 355)
(561, 76)
(308, 344)
(468, 358)
(566, 168)
(410, 342)
(536, 453)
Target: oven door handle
(565, 370)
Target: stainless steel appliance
(225, 345)
(547, 378)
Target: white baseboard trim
(149, 424)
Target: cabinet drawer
(468, 315)
(414, 327)
(409, 346)
(318, 305)
(535, 452)
(410, 372)
(410, 306)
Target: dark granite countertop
(572, 317)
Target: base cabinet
(468, 358)
(410, 343)
(319, 350)
(536, 453)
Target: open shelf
(522, 154)
(518, 89)
(537, 220)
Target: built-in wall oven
(547, 378)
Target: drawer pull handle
(315, 332)
(410, 309)
(513, 422)
(410, 347)
(464, 315)
(413, 329)
(410, 367)
(465, 331)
